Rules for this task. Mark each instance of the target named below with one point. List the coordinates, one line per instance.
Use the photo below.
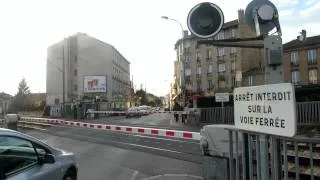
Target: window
(313, 76)
(312, 56)
(198, 85)
(233, 33)
(187, 58)
(250, 81)
(295, 58)
(234, 82)
(295, 77)
(233, 66)
(220, 51)
(75, 72)
(16, 154)
(209, 54)
(198, 55)
(210, 87)
(199, 70)
(75, 87)
(233, 50)
(222, 67)
(210, 69)
(188, 72)
(222, 84)
(220, 35)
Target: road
(115, 155)
(158, 120)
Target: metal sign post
(262, 16)
(222, 97)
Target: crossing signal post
(205, 20)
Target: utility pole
(63, 79)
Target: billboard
(94, 84)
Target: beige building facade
(84, 56)
(210, 69)
(302, 61)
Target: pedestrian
(176, 116)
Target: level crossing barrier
(125, 129)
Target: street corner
(174, 177)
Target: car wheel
(70, 175)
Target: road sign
(222, 97)
(268, 109)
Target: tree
(23, 88)
(20, 100)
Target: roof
(5, 96)
(313, 41)
(230, 24)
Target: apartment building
(211, 69)
(81, 67)
(301, 60)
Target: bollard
(11, 121)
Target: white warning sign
(269, 109)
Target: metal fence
(308, 113)
(217, 115)
(282, 158)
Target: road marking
(130, 144)
(173, 175)
(134, 175)
(175, 140)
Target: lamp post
(182, 57)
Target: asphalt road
(115, 155)
(158, 120)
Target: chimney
(185, 33)
(303, 35)
(241, 15)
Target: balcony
(294, 64)
(222, 78)
(312, 62)
(221, 59)
(208, 58)
(209, 74)
(233, 54)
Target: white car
(23, 157)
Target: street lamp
(182, 52)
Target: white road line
(130, 144)
(134, 176)
(184, 175)
(173, 175)
(175, 140)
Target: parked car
(23, 157)
(145, 110)
(133, 112)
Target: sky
(133, 27)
